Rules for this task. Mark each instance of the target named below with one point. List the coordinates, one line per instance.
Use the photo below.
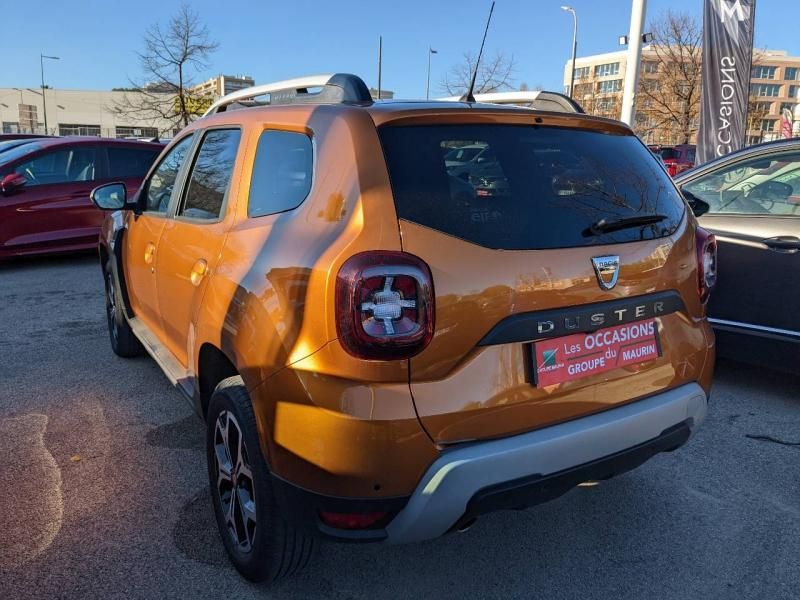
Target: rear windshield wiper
(605, 226)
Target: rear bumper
(534, 467)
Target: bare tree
(668, 99)
(171, 54)
(495, 74)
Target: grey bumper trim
(447, 486)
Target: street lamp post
(44, 98)
(569, 9)
(428, 88)
(633, 62)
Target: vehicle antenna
(468, 95)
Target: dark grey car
(753, 198)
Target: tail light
(384, 305)
(706, 246)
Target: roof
(85, 140)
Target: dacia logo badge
(607, 270)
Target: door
(755, 214)
(52, 211)
(191, 242)
(144, 232)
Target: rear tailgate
(511, 257)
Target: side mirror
(111, 196)
(699, 207)
(11, 183)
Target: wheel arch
(213, 365)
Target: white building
(75, 112)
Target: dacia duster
(384, 347)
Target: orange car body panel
(340, 425)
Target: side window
(124, 163)
(282, 172)
(760, 185)
(162, 181)
(211, 175)
(67, 165)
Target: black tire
(123, 342)
(266, 547)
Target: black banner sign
(727, 57)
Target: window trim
(311, 188)
(195, 153)
(141, 200)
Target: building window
(767, 124)
(606, 69)
(763, 72)
(607, 87)
(136, 132)
(649, 85)
(766, 89)
(650, 66)
(581, 72)
(604, 104)
(765, 107)
(790, 73)
(787, 105)
(753, 139)
(793, 91)
(10, 127)
(71, 129)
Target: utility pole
(380, 63)
(633, 62)
(569, 9)
(44, 97)
(428, 87)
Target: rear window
(529, 187)
(668, 153)
(130, 162)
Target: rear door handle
(783, 243)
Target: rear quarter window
(282, 172)
(531, 187)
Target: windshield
(18, 151)
(531, 187)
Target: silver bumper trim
(447, 486)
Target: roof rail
(336, 88)
(536, 99)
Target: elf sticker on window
(583, 354)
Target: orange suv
(384, 351)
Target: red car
(676, 158)
(45, 185)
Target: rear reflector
(351, 520)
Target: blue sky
(269, 40)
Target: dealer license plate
(582, 354)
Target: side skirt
(175, 372)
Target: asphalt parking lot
(103, 489)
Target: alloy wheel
(234, 481)
(111, 305)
